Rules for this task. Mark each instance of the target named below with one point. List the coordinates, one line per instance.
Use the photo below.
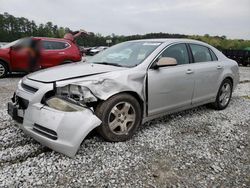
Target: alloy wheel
(2, 70)
(225, 94)
(121, 118)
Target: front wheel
(224, 95)
(121, 115)
(3, 70)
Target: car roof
(50, 38)
(171, 40)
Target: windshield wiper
(107, 63)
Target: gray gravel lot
(195, 148)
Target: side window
(178, 52)
(214, 57)
(46, 45)
(26, 42)
(53, 45)
(200, 53)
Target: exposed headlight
(63, 105)
(78, 93)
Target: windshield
(24, 42)
(11, 44)
(127, 54)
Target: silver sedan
(119, 89)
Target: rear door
(207, 71)
(52, 53)
(171, 87)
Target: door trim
(186, 107)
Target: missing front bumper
(60, 131)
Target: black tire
(244, 64)
(3, 69)
(218, 105)
(105, 110)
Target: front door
(20, 55)
(171, 87)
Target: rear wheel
(244, 64)
(224, 95)
(121, 116)
(3, 69)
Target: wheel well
(6, 64)
(132, 93)
(231, 80)
(137, 97)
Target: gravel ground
(195, 148)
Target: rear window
(214, 57)
(54, 45)
(200, 53)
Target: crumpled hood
(70, 71)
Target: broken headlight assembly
(71, 98)
(63, 105)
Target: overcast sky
(213, 17)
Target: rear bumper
(60, 131)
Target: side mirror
(165, 61)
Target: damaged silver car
(119, 89)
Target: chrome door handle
(61, 53)
(189, 71)
(219, 67)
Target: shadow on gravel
(170, 117)
(16, 75)
(182, 114)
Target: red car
(49, 52)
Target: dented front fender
(106, 85)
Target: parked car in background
(82, 50)
(121, 88)
(96, 50)
(15, 56)
(87, 50)
(241, 56)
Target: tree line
(13, 28)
